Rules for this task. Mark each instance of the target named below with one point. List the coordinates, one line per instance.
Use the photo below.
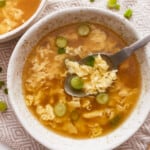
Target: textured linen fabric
(11, 131)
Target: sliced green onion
(77, 83)
(74, 115)
(1, 69)
(90, 61)
(83, 30)
(61, 51)
(60, 109)
(2, 3)
(102, 98)
(128, 13)
(2, 83)
(3, 106)
(115, 120)
(6, 91)
(117, 6)
(112, 4)
(61, 42)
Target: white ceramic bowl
(21, 29)
(29, 40)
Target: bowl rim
(33, 29)
(20, 29)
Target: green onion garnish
(117, 6)
(60, 109)
(2, 83)
(3, 106)
(6, 91)
(2, 3)
(113, 4)
(74, 115)
(115, 120)
(128, 13)
(61, 42)
(84, 30)
(1, 69)
(76, 83)
(61, 51)
(102, 98)
(90, 61)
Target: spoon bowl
(80, 93)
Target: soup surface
(13, 13)
(43, 83)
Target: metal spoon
(113, 60)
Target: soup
(14, 13)
(45, 71)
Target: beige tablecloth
(11, 131)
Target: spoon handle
(139, 44)
(120, 56)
